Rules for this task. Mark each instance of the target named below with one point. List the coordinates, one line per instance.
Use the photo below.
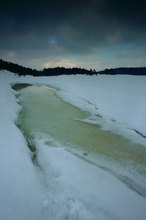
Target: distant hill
(20, 70)
(141, 71)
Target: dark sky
(85, 33)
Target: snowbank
(117, 102)
(20, 193)
(63, 186)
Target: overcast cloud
(87, 33)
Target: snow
(61, 185)
(119, 100)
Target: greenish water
(43, 111)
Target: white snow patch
(63, 186)
(83, 190)
(117, 102)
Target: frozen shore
(64, 186)
(117, 102)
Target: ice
(60, 185)
(87, 191)
(117, 102)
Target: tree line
(23, 71)
(17, 69)
(140, 71)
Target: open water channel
(44, 112)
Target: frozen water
(62, 185)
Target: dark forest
(22, 71)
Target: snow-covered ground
(119, 101)
(64, 186)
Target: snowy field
(66, 187)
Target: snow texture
(62, 186)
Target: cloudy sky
(95, 34)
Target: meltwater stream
(46, 113)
